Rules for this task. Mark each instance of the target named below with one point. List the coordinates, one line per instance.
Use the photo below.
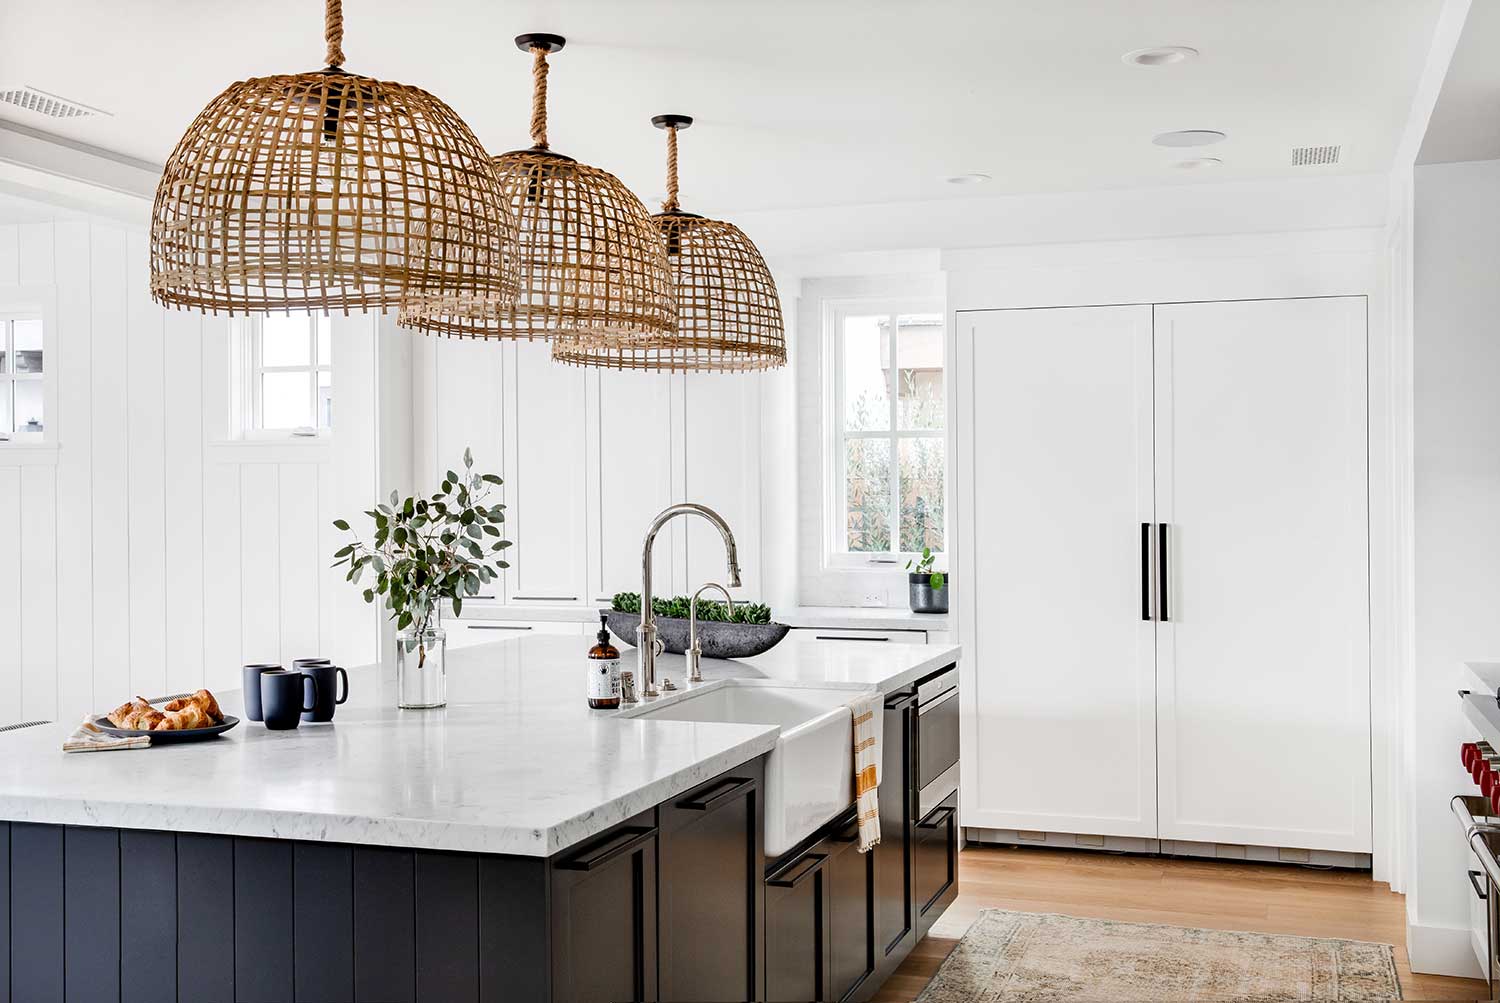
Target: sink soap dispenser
(604, 669)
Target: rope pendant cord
(671, 204)
(333, 32)
(538, 96)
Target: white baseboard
(1442, 950)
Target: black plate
(168, 737)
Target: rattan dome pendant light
(328, 191)
(728, 313)
(589, 257)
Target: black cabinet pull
(895, 700)
(496, 626)
(1161, 571)
(803, 867)
(716, 793)
(1145, 571)
(932, 821)
(1474, 880)
(620, 843)
(841, 637)
(546, 598)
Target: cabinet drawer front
(852, 634)
(937, 738)
(935, 862)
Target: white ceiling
(799, 102)
(1465, 123)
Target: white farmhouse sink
(810, 771)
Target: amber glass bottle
(604, 669)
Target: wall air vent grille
(1315, 156)
(42, 103)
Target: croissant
(203, 700)
(137, 715)
(118, 716)
(189, 717)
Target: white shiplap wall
(149, 553)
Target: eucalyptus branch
(425, 551)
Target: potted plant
(424, 552)
(928, 588)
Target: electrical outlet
(873, 599)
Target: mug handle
(309, 708)
(344, 678)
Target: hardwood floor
(1264, 898)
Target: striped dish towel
(88, 737)
(867, 767)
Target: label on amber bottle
(604, 679)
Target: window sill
(27, 454)
(291, 449)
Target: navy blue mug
(250, 688)
(327, 677)
(284, 696)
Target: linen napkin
(867, 767)
(89, 737)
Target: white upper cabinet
(545, 476)
(468, 414)
(1263, 672)
(1060, 695)
(633, 446)
(721, 469)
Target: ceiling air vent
(39, 101)
(1315, 156)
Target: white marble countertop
(846, 617)
(516, 763)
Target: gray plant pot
(925, 598)
(719, 640)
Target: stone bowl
(718, 640)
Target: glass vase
(421, 668)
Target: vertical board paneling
(221, 563)
(146, 476)
(447, 918)
(260, 557)
(722, 451)
(91, 882)
(183, 490)
(11, 532)
(205, 921)
(111, 463)
(323, 889)
(148, 916)
(385, 963)
(297, 578)
(74, 424)
(5, 913)
(39, 594)
(10, 255)
(329, 581)
(36, 895)
(513, 949)
(36, 254)
(356, 626)
(263, 920)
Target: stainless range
(1478, 812)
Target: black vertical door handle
(1146, 571)
(1161, 572)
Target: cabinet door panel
(1060, 474)
(722, 470)
(851, 915)
(545, 477)
(935, 863)
(893, 905)
(1263, 673)
(797, 930)
(634, 482)
(604, 920)
(468, 413)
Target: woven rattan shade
(728, 313)
(589, 259)
(328, 191)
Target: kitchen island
(513, 845)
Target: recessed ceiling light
(1160, 55)
(1198, 163)
(971, 178)
(1189, 137)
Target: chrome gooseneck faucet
(649, 646)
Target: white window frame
(246, 390)
(835, 493)
(31, 303)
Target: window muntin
(889, 423)
(23, 366)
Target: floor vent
(1315, 156)
(50, 105)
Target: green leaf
(492, 531)
(936, 580)
(448, 477)
(458, 606)
(492, 479)
(369, 595)
(343, 551)
(340, 524)
(468, 457)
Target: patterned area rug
(1009, 956)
